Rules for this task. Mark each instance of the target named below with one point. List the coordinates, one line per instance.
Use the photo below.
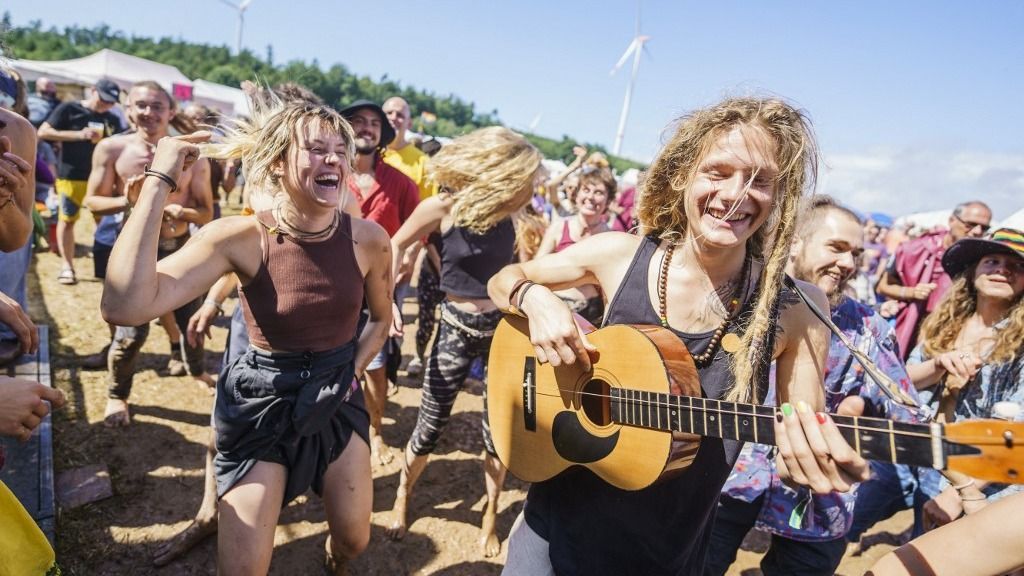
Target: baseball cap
(387, 132)
(108, 91)
(965, 252)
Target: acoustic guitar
(638, 415)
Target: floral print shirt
(825, 516)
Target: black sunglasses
(972, 225)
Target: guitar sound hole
(595, 401)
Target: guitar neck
(873, 438)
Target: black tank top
(594, 528)
(468, 259)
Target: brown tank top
(306, 296)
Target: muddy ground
(156, 465)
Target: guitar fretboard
(873, 438)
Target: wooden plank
(28, 471)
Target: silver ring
(964, 355)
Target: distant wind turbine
(635, 48)
(241, 6)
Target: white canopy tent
(126, 70)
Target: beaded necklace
(732, 341)
(283, 227)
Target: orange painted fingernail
(821, 417)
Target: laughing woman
(596, 191)
(288, 415)
(484, 178)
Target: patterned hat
(965, 252)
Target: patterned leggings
(462, 337)
(428, 297)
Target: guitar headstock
(995, 453)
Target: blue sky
(916, 104)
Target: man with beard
(808, 530)
(387, 197)
(117, 164)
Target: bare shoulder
(610, 245)
(370, 234)
(230, 231)
(113, 146)
(795, 318)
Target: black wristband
(167, 179)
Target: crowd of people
(347, 216)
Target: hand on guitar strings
(813, 453)
(555, 334)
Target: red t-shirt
(391, 200)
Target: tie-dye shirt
(826, 516)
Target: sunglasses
(972, 225)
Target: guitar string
(977, 440)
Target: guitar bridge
(530, 394)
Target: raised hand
(175, 155)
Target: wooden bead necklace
(733, 341)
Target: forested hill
(336, 84)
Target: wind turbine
(635, 48)
(241, 6)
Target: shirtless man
(116, 164)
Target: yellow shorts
(71, 193)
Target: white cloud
(905, 181)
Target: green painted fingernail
(787, 409)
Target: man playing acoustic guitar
(717, 215)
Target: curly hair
(266, 138)
(661, 202)
(940, 329)
(490, 173)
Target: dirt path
(156, 465)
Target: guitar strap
(888, 387)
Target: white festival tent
(125, 70)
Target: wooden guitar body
(544, 420)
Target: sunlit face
(973, 222)
(830, 254)
(316, 167)
(733, 189)
(149, 110)
(1000, 276)
(366, 125)
(397, 112)
(592, 199)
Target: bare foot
(183, 541)
(335, 565)
(381, 450)
(396, 530)
(490, 545)
(116, 414)
(207, 382)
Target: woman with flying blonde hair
(717, 213)
(484, 178)
(289, 413)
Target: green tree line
(336, 84)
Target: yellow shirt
(411, 161)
